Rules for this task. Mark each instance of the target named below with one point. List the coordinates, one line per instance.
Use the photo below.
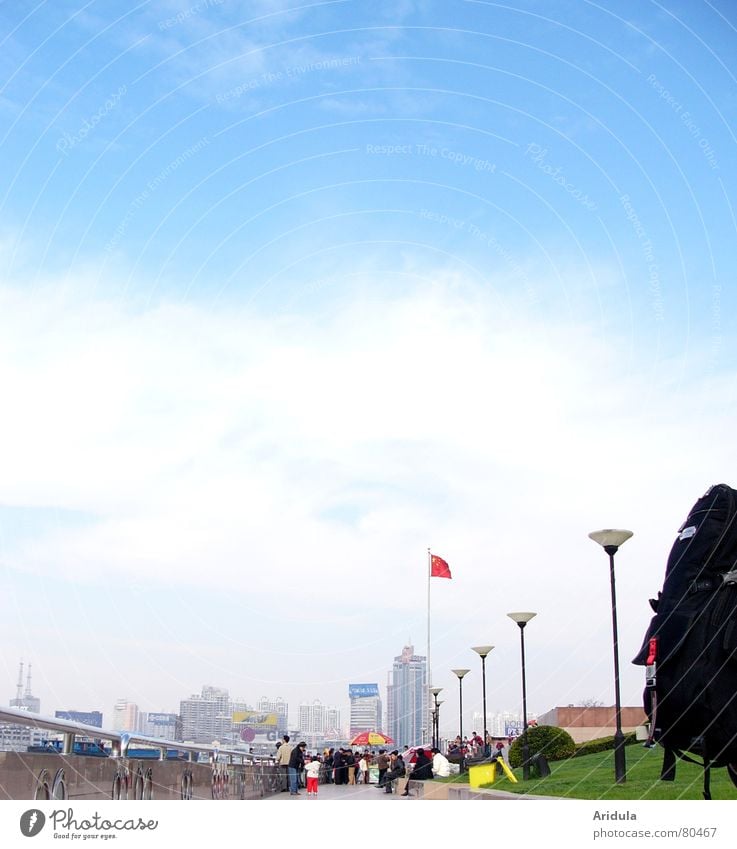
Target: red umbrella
(371, 738)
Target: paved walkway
(371, 793)
(354, 792)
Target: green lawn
(592, 777)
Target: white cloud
(300, 461)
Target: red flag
(439, 568)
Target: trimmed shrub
(601, 744)
(555, 743)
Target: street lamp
(610, 540)
(482, 652)
(460, 673)
(522, 619)
(435, 692)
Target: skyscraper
(407, 709)
(365, 708)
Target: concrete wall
(588, 723)
(54, 776)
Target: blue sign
(362, 691)
(93, 717)
(513, 729)
(162, 718)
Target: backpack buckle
(730, 577)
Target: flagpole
(429, 668)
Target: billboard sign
(362, 691)
(254, 724)
(162, 718)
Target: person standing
(382, 762)
(312, 768)
(283, 754)
(327, 764)
(341, 774)
(350, 761)
(296, 764)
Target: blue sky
(290, 292)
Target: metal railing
(120, 741)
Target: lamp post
(435, 692)
(482, 652)
(610, 540)
(522, 619)
(460, 673)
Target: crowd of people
(475, 747)
(339, 766)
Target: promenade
(371, 793)
(333, 792)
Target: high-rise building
(126, 716)
(501, 724)
(207, 717)
(407, 712)
(312, 718)
(365, 708)
(17, 738)
(165, 726)
(332, 721)
(318, 722)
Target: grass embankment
(592, 777)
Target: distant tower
(17, 738)
(25, 701)
(19, 687)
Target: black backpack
(690, 648)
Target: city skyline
(292, 293)
(126, 715)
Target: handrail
(121, 740)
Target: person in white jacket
(440, 764)
(312, 768)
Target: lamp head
(436, 690)
(460, 673)
(610, 538)
(482, 651)
(522, 617)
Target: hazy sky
(291, 291)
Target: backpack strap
(707, 776)
(668, 770)
(707, 773)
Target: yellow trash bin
(481, 774)
(486, 773)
